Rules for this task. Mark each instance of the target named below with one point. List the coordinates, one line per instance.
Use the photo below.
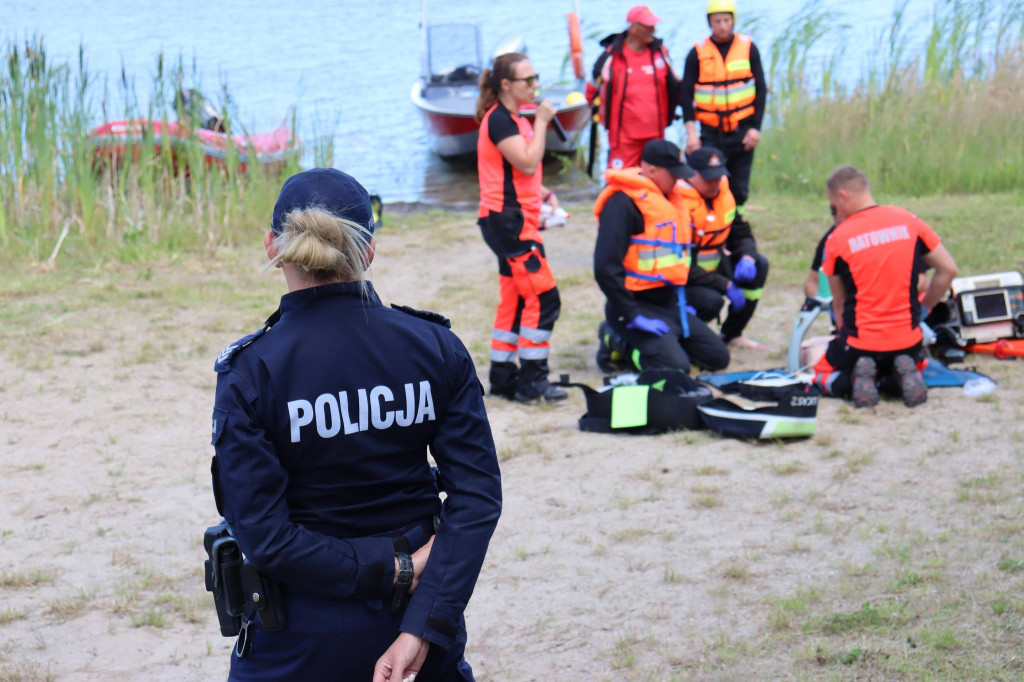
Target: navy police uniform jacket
(321, 427)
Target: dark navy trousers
(328, 639)
(338, 640)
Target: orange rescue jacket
(660, 255)
(724, 94)
(710, 226)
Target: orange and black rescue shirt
(876, 252)
(502, 185)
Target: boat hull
(447, 113)
(121, 142)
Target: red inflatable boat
(120, 142)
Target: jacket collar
(339, 295)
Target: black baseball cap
(329, 188)
(709, 162)
(664, 154)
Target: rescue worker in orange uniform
(727, 264)
(509, 154)
(724, 89)
(634, 88)
(642, 263)
(873, 260)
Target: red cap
(642, 14)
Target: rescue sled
(119, 142)
(447, 90)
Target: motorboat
(199, 133)
(446, 92)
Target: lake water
(348, 67)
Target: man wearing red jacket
(634, 88)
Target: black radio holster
(224, 577)
(239, 590)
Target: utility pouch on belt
(224, 577)
(265, 596)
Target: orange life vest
(660, 255)
(710, 226)
(724, 93)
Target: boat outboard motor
(509, 44)
(193, 103)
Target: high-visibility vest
(660, 255)
(710, 226)
(724, 93)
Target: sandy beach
(888, 546)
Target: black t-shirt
(819, 253)
(501, 126)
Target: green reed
(53, 192)
(939, 110)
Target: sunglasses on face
(530, 80)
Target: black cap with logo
(709, 162)
(664, 154)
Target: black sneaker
(550, 394)
(912, 386)
(507, 395)
(865, 390)
(604, 359)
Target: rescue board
(935, 375)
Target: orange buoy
(575, 44)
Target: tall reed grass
(55, 199)
(940, 110)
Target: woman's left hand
(403, 659)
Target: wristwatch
(403, 581)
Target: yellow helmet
(716, 6)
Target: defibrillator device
(988, 307)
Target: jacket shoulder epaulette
(223, 363)
(436, 318)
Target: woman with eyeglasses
(509, 154)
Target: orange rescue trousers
(527, 310)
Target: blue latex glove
(690, 309)
(736, 297)
(646, 324)
(745, 270)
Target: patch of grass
(1011, 565)
(909, 579)
(672, 576)
(72, 605)
(191, 609)
(624, 656)
(736, 570)
(710, 470)
(627, 534)
(707, 502)
(151, 617)
(868, 617)
(788, 468)
(10, 614)
(942, 639)
(27, 578)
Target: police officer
(321, 427)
